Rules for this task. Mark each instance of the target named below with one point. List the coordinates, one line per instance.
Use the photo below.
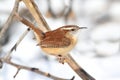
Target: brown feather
(57, 39)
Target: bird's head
(73, 29)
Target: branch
(78, 69)
(32, 69)
(7, 56)
(9, 20)
(42, 24)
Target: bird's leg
(61, 59)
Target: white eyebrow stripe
(68, 28)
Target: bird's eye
(72, 29)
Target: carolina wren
(60, 41)
(56, 42)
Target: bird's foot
(61, 59)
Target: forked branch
(32, 69)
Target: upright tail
(39, 32)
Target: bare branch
(78, 69)
(7, 56)
(17, 72)
(42, 24)
(35, 70)
(9, 20)
(1, 64)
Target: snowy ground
(97, 50)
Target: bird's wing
(58, 42)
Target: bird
(58, 42)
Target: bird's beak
(82, 27)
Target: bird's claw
(61, 59)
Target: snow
(114, 10)
(107, 31)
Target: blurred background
(97, 50)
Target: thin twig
(7, 56)
(18, 70)
(32, 69)
(9, 20)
